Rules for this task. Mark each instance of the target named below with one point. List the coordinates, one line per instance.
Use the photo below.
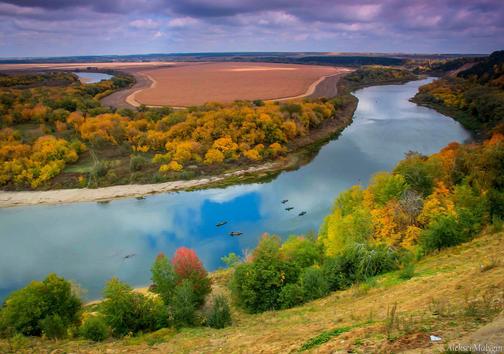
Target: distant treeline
(285, 58)
(37, 79)
(475, 97)
(441, 67)
(376, 75)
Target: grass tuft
(324, 337)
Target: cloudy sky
(80, 27)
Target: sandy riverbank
(12, 199)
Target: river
(92, 78)
(87, 242)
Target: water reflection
(87, 242)
(92, 78)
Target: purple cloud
(76, 27)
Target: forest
(475, 97)
(377, 75)
(54, 126)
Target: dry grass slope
(452, 294)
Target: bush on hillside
(137, 163)
(256, 286)
(184, 304)
(218, 315)
(443, 231)
(53, 327)
(163, 278)
(359, 262)
(333, 270)
(231, 259)
(126, 311)
(291, 295)
(95, 329)
(50, 305)
(188, 266)
(313, 283)
(301, 251)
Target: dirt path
(326, 86)
(119, 99)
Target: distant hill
(319, 58)
(489, 70)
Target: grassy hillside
(451, 294)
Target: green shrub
(301, 251)
(100, 169)
(128, 312)
(26, 309)
(137, 163)
(53, 327)
(184, 304)
(357, 263)
(231, 259)
(443, 231)
(313, 283)
(332, 268)
(408, 271)
(256, 286)
(95, 329)
(163, 278)
(363, 261)
(219, 314)
(291, 295)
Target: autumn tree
(188, 266)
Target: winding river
(88, 242)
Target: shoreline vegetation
(296, 153)
(472, 94)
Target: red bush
(188, 266)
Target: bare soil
(188, 85)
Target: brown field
(182, 84)
(185, 85)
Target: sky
(30, 28)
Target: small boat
(285, 201)
(302, 213)
(141, 197)
(289, 208)
(235, 233)
(129, 256)
(222, 223)
(103, 201)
